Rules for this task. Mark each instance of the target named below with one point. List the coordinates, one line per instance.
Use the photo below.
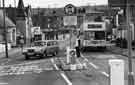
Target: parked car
(36, 50)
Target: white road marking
(86, 59)
(54, 64)
(96, 67)
(65, 77)
(24, 63)
(62, 74)
(106, 74)
(1, 83)
(92, 64)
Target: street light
(5, 30)
(130, 75)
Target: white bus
(94, 35)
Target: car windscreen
(49, 43)
(38, 44)
(52, 43)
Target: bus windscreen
(91, 26)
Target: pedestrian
(77, 47)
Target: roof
(8, 22)
(21, 4)
(21, 9)
(101, 9)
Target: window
(49, 44)
(100, 35)
(89, 35)
(91, 26)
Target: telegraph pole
(130, 74)
(5, 30)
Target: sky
(56, 3)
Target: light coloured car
(52, 48)
(36, 50)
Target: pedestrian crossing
(24, 68)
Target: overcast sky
(57, 3)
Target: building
(121, 17)
(11, 29)
(21, 17)
(55, 21)
(23, 21)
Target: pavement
(121, 51)
(11, 52)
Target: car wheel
(42, 56)
(55, 53)
(26, 57)
(45, 54)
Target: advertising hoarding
(70, 20)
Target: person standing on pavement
(77, 46)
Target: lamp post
(130, 74)
(5, 30)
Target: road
(99, 61)
(18, 71)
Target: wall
(2, 47)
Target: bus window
(99, 35)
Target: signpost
(5, 30)
(128, 21)
(70, 20)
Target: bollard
(116, 72)
(68, 55)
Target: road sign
(71, 55)
(69, 9)
(35, 30)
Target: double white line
(62, 73)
